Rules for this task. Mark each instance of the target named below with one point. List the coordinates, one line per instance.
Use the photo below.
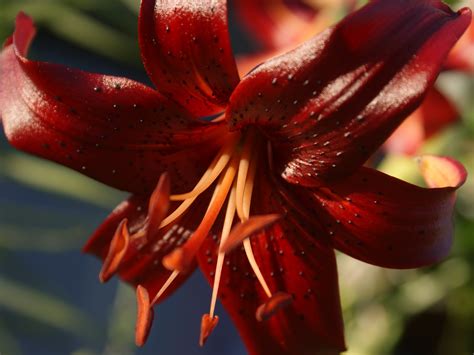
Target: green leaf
(76, 26)
(122, 322)
(46, 240)
(8, 344)
(51, 177)
(46, 309)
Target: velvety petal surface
(327, 105)
(186, 50)
(435, 113)
(385, 221)
(294, 261)
(112, 129)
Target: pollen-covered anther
(278, 301)
(208, 324)
(247, 228)
(178, 260)
(144, 316)
(117, 250)
(159, 203)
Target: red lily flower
(280, 24)
(287, 155)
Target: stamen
(181, 258)
(278, 301)
(229, 218)
(255, 268)
(144, 316)
(247, 228)
(118, 248)
(243, 170)
(183, 207)
(215, 169)
(246, 201)
(249, 183)
(165, 286)
(208, 324)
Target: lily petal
(141, 263)
(462, 55)
(442, 171)
(342, 93)
(112, 129)
(186, 50)
(384, 221)
(435, 113)
(292, 261)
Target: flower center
(234, 168)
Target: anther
(159, 203)
(278, 301)
(208, 324)
(144, 316)
(118, 248)
(247, 228)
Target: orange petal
(442, 171)
(144, 316)
(207, 326)
(278, 301)
(159, 202)
(118, 248)
(245, 229)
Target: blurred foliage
(107, 27)
(379, 304)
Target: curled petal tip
(278, 301)
(465, 11)
(442, 171)
(117, 250)
(207, 326)
(245, 229)
(145, 316)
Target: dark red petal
(277, 23)
(290, 264)
(329, 104)
(462, 55)
(142, 263)
(115, 130)
(291, 261)
(435, 113)
(186, 51)
(385, 221)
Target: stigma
(232, 173)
